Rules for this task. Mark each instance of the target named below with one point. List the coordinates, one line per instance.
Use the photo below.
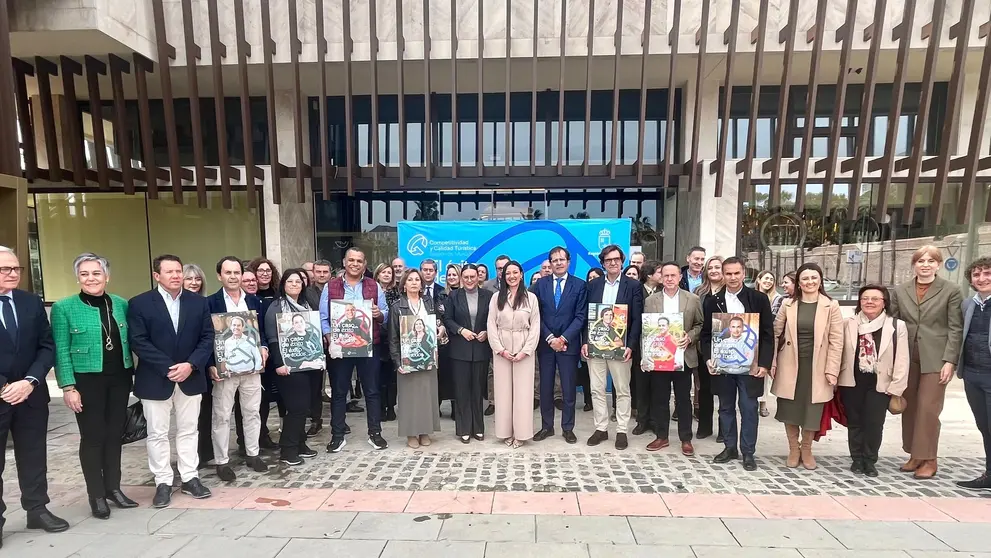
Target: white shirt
(172, 304)
(9, 296)
(671, 303)
(564, 282)
(240, 306)
(611, 290)
(733, 304)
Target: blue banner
(527, 242)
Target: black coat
(34, 354)
(631, 294)
(456, 316)
(754, 303)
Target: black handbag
(135, 426)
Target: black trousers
(647, 384)
(469, 390)
(865, 413)
(28, 423)
(101, 425)
(316, 396)
(388, 389)
(585, 381)
(706, 405)
(204, 426)
(977, 387)
(660, 402)
(295, 390)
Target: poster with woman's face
(734, 342)
(607, 325)
(659, 342)
(350, 329)
(300, 341)
(237, 344)
(418, 342)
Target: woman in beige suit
(931, 308)
(809, 335)
(875, 367)
(513, 331)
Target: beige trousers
(924, 398)
(513, 397)
(250, 389)
(598, 369)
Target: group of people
(516, 344)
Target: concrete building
(880, 105)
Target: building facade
(843, 132)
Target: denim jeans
(340, 380)
(733, 385)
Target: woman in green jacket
(94, 368)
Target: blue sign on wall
(527, 242)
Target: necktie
(557, 291)
(9, 320)
(429, 292)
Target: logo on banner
(417, 245)
(605, 238)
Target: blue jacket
(34, 353)
(158, 345)
(631, 294)
(568, 318)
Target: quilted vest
(369, 291)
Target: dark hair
(401, 285)
(296, 315)
(629, 267)
(664, 319)
(608, 249)
(481, 266)
(979, 263)
(648, 268)
(557, 249)
(156, 264)
(669, 262)
(234, 259)
(521, 292)
(606, 309)
(735, 260)
(253, 266)
(501, 257)
(814, 267)
(598, 270)
(324, 263)
(696, 249)
(285, 278)
(430, 262)
(884, 294)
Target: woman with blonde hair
(193, 278)
(932, 310)
(765, 283)
(453, 277)
(712, 283)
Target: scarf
(866, 349)
(288, 305)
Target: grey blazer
(968, 314)
(935, 326)
(691, 309)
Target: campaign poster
(659, 342)
(300, 341)
(734, 342)
(350, 329)
(237, 344)
(607, 325)
(418, 342)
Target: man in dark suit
(493, 284)
(613, 288)
(27, 353)
(561, 298)
(172, 335)
(736, 298)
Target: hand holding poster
(418, 343)
(350, 329)
(299, 340)
(236, 344)
(659, 343)
(734, 343)
(607, 331)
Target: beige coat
(826, 356)
(935, 327)
(691, 309)
(892, 361)
(514, 330)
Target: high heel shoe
(117, 498)
(100, 508)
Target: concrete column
(290, 237)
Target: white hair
(5, 250)
(90, 257)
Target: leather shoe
(354, 407)
(569, 436)
(911, 465)
(49, 522)
(117, 498)
(687, 449)
(869, 469)
(597, 437)
(196, 489)
(265, 442)
(981, 482)
(588, 407)
(726, 456)
(490, 410)
(226, 473)
(256, 464)
(543, 434)
(559, 404)
(658, 444)
(621, 441)
(100, 508)
(749, 463)
(703, 434)
(639, 429)
(857, 467)
(163, 496)
(719, 438)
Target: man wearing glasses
(27, 353)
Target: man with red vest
(354, 286)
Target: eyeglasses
(6, 270)
(613, 260)
(872, 299)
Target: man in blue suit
(27, 353)
(172, 335)
(613, 288)
(562, 317)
